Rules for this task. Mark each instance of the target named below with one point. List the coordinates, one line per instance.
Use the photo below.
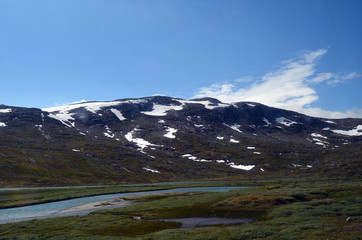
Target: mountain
(160, 138)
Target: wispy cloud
(289, 87)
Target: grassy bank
(281, 209)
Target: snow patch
(170, 132)
(267, 122)
(257, 153)
(141, 143)
(118, 114)
(357, 131)
(89, 106)
(64, 117)
(285, 121)
(198, 125)
(203, 160)
(318, 135)
(329, 121)
(250, 148)
(320, 142)
(150, 170)
(242, 167)
(110, 135)
(251, 105)
(81, 101)
(193, 158)
(161, 110)
(40, 128)
(207, 104)
(220, 138)
(6, 110)
(234, 141)
(262, 170)
(76, 150)
(231, 164)
(2, 124)
(234, 127)
(161, 121)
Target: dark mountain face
(162, 139)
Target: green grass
(282, 208)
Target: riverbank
(98, 205)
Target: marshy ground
(304, 208)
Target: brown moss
(257, 201)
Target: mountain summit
(160, 138)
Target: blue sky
(300, 55)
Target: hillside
(158, 138)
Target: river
(59, 208)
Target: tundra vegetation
(289, 208)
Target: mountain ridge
(163, 138)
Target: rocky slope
(165, 139)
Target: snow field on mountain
(118, 114)
(64, 117)
(94, 107)
(6, 110)
(161, 110)
(357, 131)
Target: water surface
(56, 209)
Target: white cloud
(321, 77)
(351, 76)
(289, 87)
(341, 79)
(245, 79)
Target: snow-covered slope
(170, 138)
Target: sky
(299, 55)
